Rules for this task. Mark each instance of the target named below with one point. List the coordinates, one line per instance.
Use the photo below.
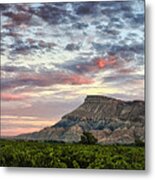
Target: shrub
(88, 138)
(43, 154)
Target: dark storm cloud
(51, 13)
(111, 9)
(22, 17)
(58, 13)
(22, 47)
(99, 47)
(136, 48)
(30, 45)
(122, 49)
(134, 19)
(19, 17)
(72, 47)
(111, 32)
(3, 7)
(116, 23)
(119, 5)
(85, 8)
(138, 19)
(14, 69)
(79, 25)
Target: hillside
(109, 120)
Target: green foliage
(41, 154)
(88, 138)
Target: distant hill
(109, 120)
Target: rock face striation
(109, 120)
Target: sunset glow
(55, 54)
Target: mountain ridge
(110, 120)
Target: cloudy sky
(55, 54)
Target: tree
(88, 138)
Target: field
(54, 155)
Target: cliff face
(110, 120)
(101, 107)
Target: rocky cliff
(109, 120)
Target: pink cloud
(126, 70)
(47, 79)
(44, 80)
(101, 62)
(76, 79)
(12, 97)
(95, 65)
(17, 131)
(20, 17)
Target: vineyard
(54, 155)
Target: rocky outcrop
(109, 120)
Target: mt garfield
(110, 120)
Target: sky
(55, 54)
